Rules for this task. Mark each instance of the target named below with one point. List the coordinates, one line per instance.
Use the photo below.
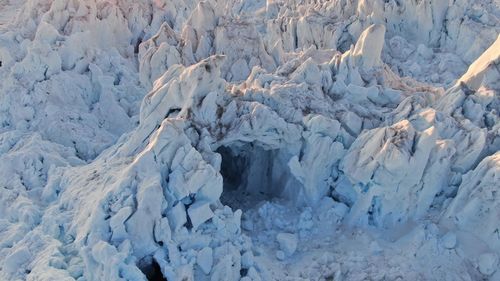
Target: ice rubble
(294, 114)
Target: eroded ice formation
(249, 140)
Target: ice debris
(302, 108)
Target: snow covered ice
(249, 140)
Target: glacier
(249, 140)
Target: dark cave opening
(152, 270)
(232, 168)
(252, 174)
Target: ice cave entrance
(253, 174)
(152, 270)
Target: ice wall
(101, 181)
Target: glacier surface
(249, 140)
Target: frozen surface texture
(249, 140)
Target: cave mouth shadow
(252, 174)
(151, 269)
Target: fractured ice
(249, 140)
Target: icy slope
(250, 140)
